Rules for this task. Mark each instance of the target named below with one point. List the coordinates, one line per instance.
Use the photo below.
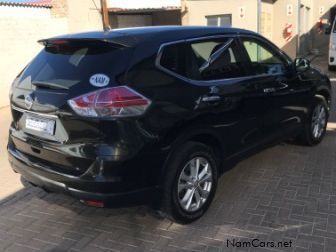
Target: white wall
(21, 27)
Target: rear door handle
(269, 90)
(213, 98)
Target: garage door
(134, 20)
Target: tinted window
(174, 58)
(70, 63)
(263, 59)
(204, 60)
(216, 59)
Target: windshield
(66, 64)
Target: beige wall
(280, 20)
(84, 15)
(195, 12)
(171, 17)
(273, 19)
(321, 40)
(21, 27)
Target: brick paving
(285, 193)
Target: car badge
(28, 101)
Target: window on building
(219, 20)
(263, 59)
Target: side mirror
(302, 64)
(328, 30)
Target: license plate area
(40, 125)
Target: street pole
(259, 16)
(105, 15)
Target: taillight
(119, 101)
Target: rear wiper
(46, 84)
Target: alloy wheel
(319, 120)
(194, 184)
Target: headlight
(332, 46)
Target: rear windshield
(69, 63)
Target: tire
(178, 183)
(313, 134)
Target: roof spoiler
(60, 41)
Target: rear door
(236, 106)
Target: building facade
(296, 26)
(132, 17)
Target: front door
(284, 107)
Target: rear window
(69, 63)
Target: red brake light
(110, 102)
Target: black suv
(157, 111)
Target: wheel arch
(204, 135)
(325, 94)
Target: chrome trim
(296, 118)
(35, 113)
(211, 98)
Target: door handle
(282, 85)
(213, 98)
(269, 90)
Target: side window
(263, 59)
(216, 59)
(173, 58)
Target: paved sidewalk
(9, 181)
(285, 193)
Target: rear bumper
(99, 187)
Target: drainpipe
(105, 15)
(298, 28)
(258, 16)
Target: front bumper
(95, 187)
